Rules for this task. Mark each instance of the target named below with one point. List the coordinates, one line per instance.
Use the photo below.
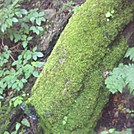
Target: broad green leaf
(25, 122)
(34, 49)
(14, 19)
(11, 37)
(17, 126)
(24, 44)
(37, 64)
(17, 102)
(39, 54)
(130, 53)
(17, 37)
(23, 80)
(14, 132)
(108, 14)
(18, 14)
(104, 132)
(9, 21)
(64, 122)
(38, 21)
(29, 38)
(3, 27)
(14, 86)
(34, 29)
(1, 91)
(112, 11)
(1, 97)
(111, 130)
(32, 19)
(41, 14)
(6, 132)
(23, 11)
(20, 84)
(35, 74)
(40, 28)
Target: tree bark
(70, 93)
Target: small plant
(18, 125)
(18, 27)
(109, 15)
(122, 75)
(17, 24)
(71, 5)
(130, 112)
(113, 131)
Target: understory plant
(18, 54)
(122, 76)
(119, 78)
(113, 131)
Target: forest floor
(119, 112)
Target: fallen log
(70, 92)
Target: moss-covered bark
(70, 93)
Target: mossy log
(70, 92)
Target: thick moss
(70, 92)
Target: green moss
(70, 93)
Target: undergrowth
(122, 76)
(18, 55)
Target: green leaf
(17, 101)
(17, 126)
(40, 28)
(9, 21)
(29, 38)
(24, 11)
(14, 132)
(17, 37)
(6, 132)
(14, 86)
(38, 54)
(35, 74)
(1, 97)
(18, 14)
(130, 53)
(38, 21)
(34, 29)
(108, 14)
(32, 19)
(14, 19)
(41, 14)
(112, 11)
(24, 44)
(11, 37)
(104, 132)
(1, 91)
(116, 81)
(23, 80)
(111, 130)
(34, 49)
(3, 27)
(64, 122)
(20, 84)
(37, 64)
(25, 122)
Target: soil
(57, 14)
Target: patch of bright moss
(70, 92)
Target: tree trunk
(70, 92)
